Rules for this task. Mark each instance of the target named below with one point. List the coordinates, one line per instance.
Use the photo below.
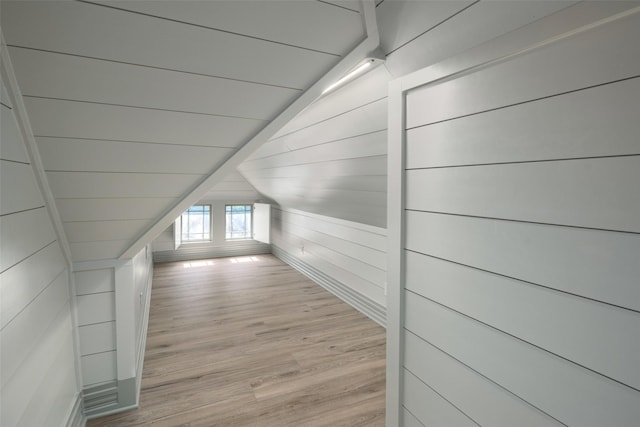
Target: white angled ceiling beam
(366, 47)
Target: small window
(196, 224)
(238, 221)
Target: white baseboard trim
(365, 305)
(76, 416)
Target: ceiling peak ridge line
(370, 43)
(192, 24)
(155, 67)
(143, 108)
(26, 130)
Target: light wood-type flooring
(249, 341)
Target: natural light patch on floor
(193, 264)
(245, 259)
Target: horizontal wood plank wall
(95, 295)
(349, 259)
(522, 230)
(331, 158)
(113, 302)
(38, 381)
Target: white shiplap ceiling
(134, 103)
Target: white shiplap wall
(113, 310)
(39, 384)
(95, 293)
(331, 159)
(347, 258)
(521, 231)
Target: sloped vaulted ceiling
(134, 103)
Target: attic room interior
(450, 187)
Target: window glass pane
(196, 223)
(238, 221)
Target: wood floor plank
(249, 341)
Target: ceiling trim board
(10, 82)
(362, 50)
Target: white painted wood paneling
(344, 258)
(361, 91)
(57, 388)
(114, 156)
(575, 192)
(120, 185)
(464, 388)
(373, 257)
(583, 327)
(54, 75)
(566, 391)
(431, 407)
(98, 368)
(107, 249)
(229, 191)
(16, 199)
(96, 308)
(97, 338)
(570, 126)
(532, 315)
(364, 235)
(94, 281)
(22, 387)
(366, 119)
(103, 209)
(481, 22)
(591, 263)
(68, 119)
(364, 166)
(94, 231)
(370, 144)
(331, 158)
(234, 57)
(580, 62)
(417, 17)
(17, 292)
(12, 147)
(23, 234)
(298, 23)
(39, 383)
(23, 333)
